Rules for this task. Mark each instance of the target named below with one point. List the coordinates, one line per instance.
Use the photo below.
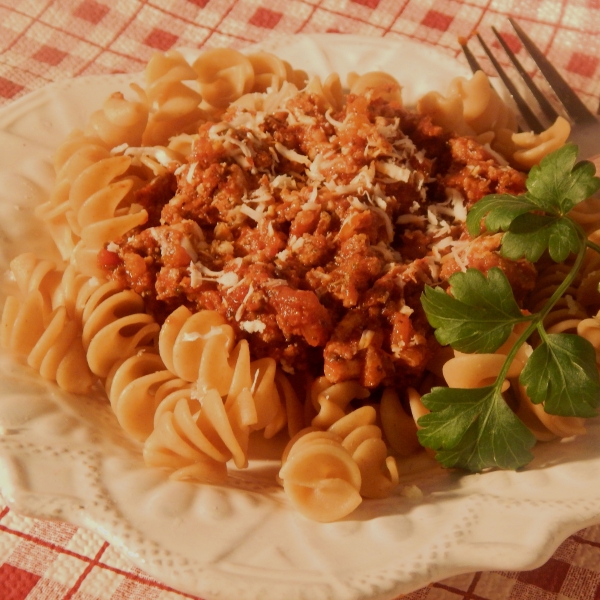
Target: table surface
(48, 40)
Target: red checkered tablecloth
(42, 41)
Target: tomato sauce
(314, 231)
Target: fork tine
(532, 121)
(575, 108)
(473, 62)
(546, 107)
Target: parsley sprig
(475, 428)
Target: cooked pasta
(135, 387)
(120, 120)
(101, 209)
(589, 329)
(115, 327)
(173, 106)
(471, 106)
(327, 473)
(531, 148)
(76, 289)
(199, 348)
(586, 214)
(188, 428)
(271, 71)
(588, 292)
(73, 156)
(243, 252)
(378, 82)
(363, 440)
(397, 424)
(320, 477)
(37, 326)
(178, 443)
(187, 340)
(329, 92)
(34, 274)
(357, 431)
(224, 75)
(331, 400)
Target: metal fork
(585, 127)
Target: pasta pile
(188, 388)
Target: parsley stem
(538, 318)
(593, 246)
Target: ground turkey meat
(313, 232)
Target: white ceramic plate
(65, 457)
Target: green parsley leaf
(557, 184)
(554, 187)
(480, 314)
(570, 385)
(530, 235)
(474, 429)
(497, 211)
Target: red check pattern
(42, 41)
(48, 40)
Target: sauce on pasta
(313, 231)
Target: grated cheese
(292, 155)
(187, 246)
(573, 307)
(198, 272)
(161, 154)
(389, 228)
(255, 326)
(395, 172)
(331, 120)
(190, 174)
(240, 311)
(192, 336)
(406, 310)
(365, 339)
(283, 182)
(256, 214)
(297, 244)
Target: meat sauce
(313, 232)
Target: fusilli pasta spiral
(319, 476)
(115, 327)
(363, 440)
(39, 329)
(74, 155)
(174, 107)
(102, 210)
(224, 75)
(333, 431)
(222, 398)
(398, 426)
(120, 121)
(135, 387)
